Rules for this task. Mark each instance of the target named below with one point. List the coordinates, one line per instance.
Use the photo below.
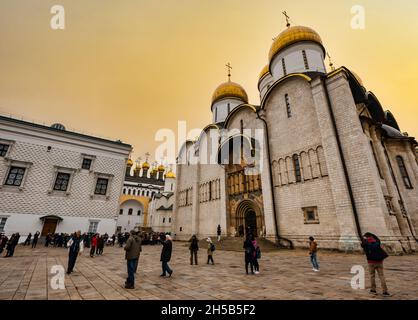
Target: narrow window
(284, 67)
(124, 191)
(121, 212)
(216, 114)
(164, 220)
(169, 220)
(241, 123)
(15, 176)
(288, 109)
(305, 59)
(228, 107)
(210, 190)
(130, 211)
(404, 172)
(101, 186)
(139, 212)
(296, 165)
(86, 164)
(129, 192)
(62, 181)
(3, 149)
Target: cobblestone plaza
(284, 275)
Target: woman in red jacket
(93, 245)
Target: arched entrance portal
(249, 218)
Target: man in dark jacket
(249, 254)
(194, 248)
(166, 255)
(132, 251)
(75, 247)
(35, 239)
(375, 256)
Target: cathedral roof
(291, 36)
(229, 90)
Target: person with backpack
(249, 254)
(194, 248)
(256, 255)
(375, 256)
(313, 249)
(211, 249)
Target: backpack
(258, 253)
(212, 247)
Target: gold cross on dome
(287, 19)
(228, 65)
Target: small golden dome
(264, 72)
(229, 90)
(293, 35)
(145, 165)
(170, 175)
(129, 163)
(161, 167)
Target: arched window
(124, 191)
(129, 191)
(404, 172)
(296, 166)
(139, 212)
(121, 211)
(164, 220)
(130, 212)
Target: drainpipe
(340, 150)
(276, 225)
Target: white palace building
(54, 180)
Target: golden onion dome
(170, 174)
(129, 163)
(229, 90)
(145, 165)
(161, 168)
(291, 36)
(264, 72)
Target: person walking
(10, 246)
(211, 249)
(249, 254)
(35, 239)
(166, 255)
(313, 249)
(75, 248)
(100, 245)
(132, 252)
(27, 241)
(93, 245)
(194, 248)
(375, 256)
(256, 255)
(3, 242)
(219, 232)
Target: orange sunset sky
(124, 69)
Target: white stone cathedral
(331, 163)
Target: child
(211, 249)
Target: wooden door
(49, 226)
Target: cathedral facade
(330, 162)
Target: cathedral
(330, 162)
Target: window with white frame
(3, 149)
(93, 226)
(15, 176)
(2, 223)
